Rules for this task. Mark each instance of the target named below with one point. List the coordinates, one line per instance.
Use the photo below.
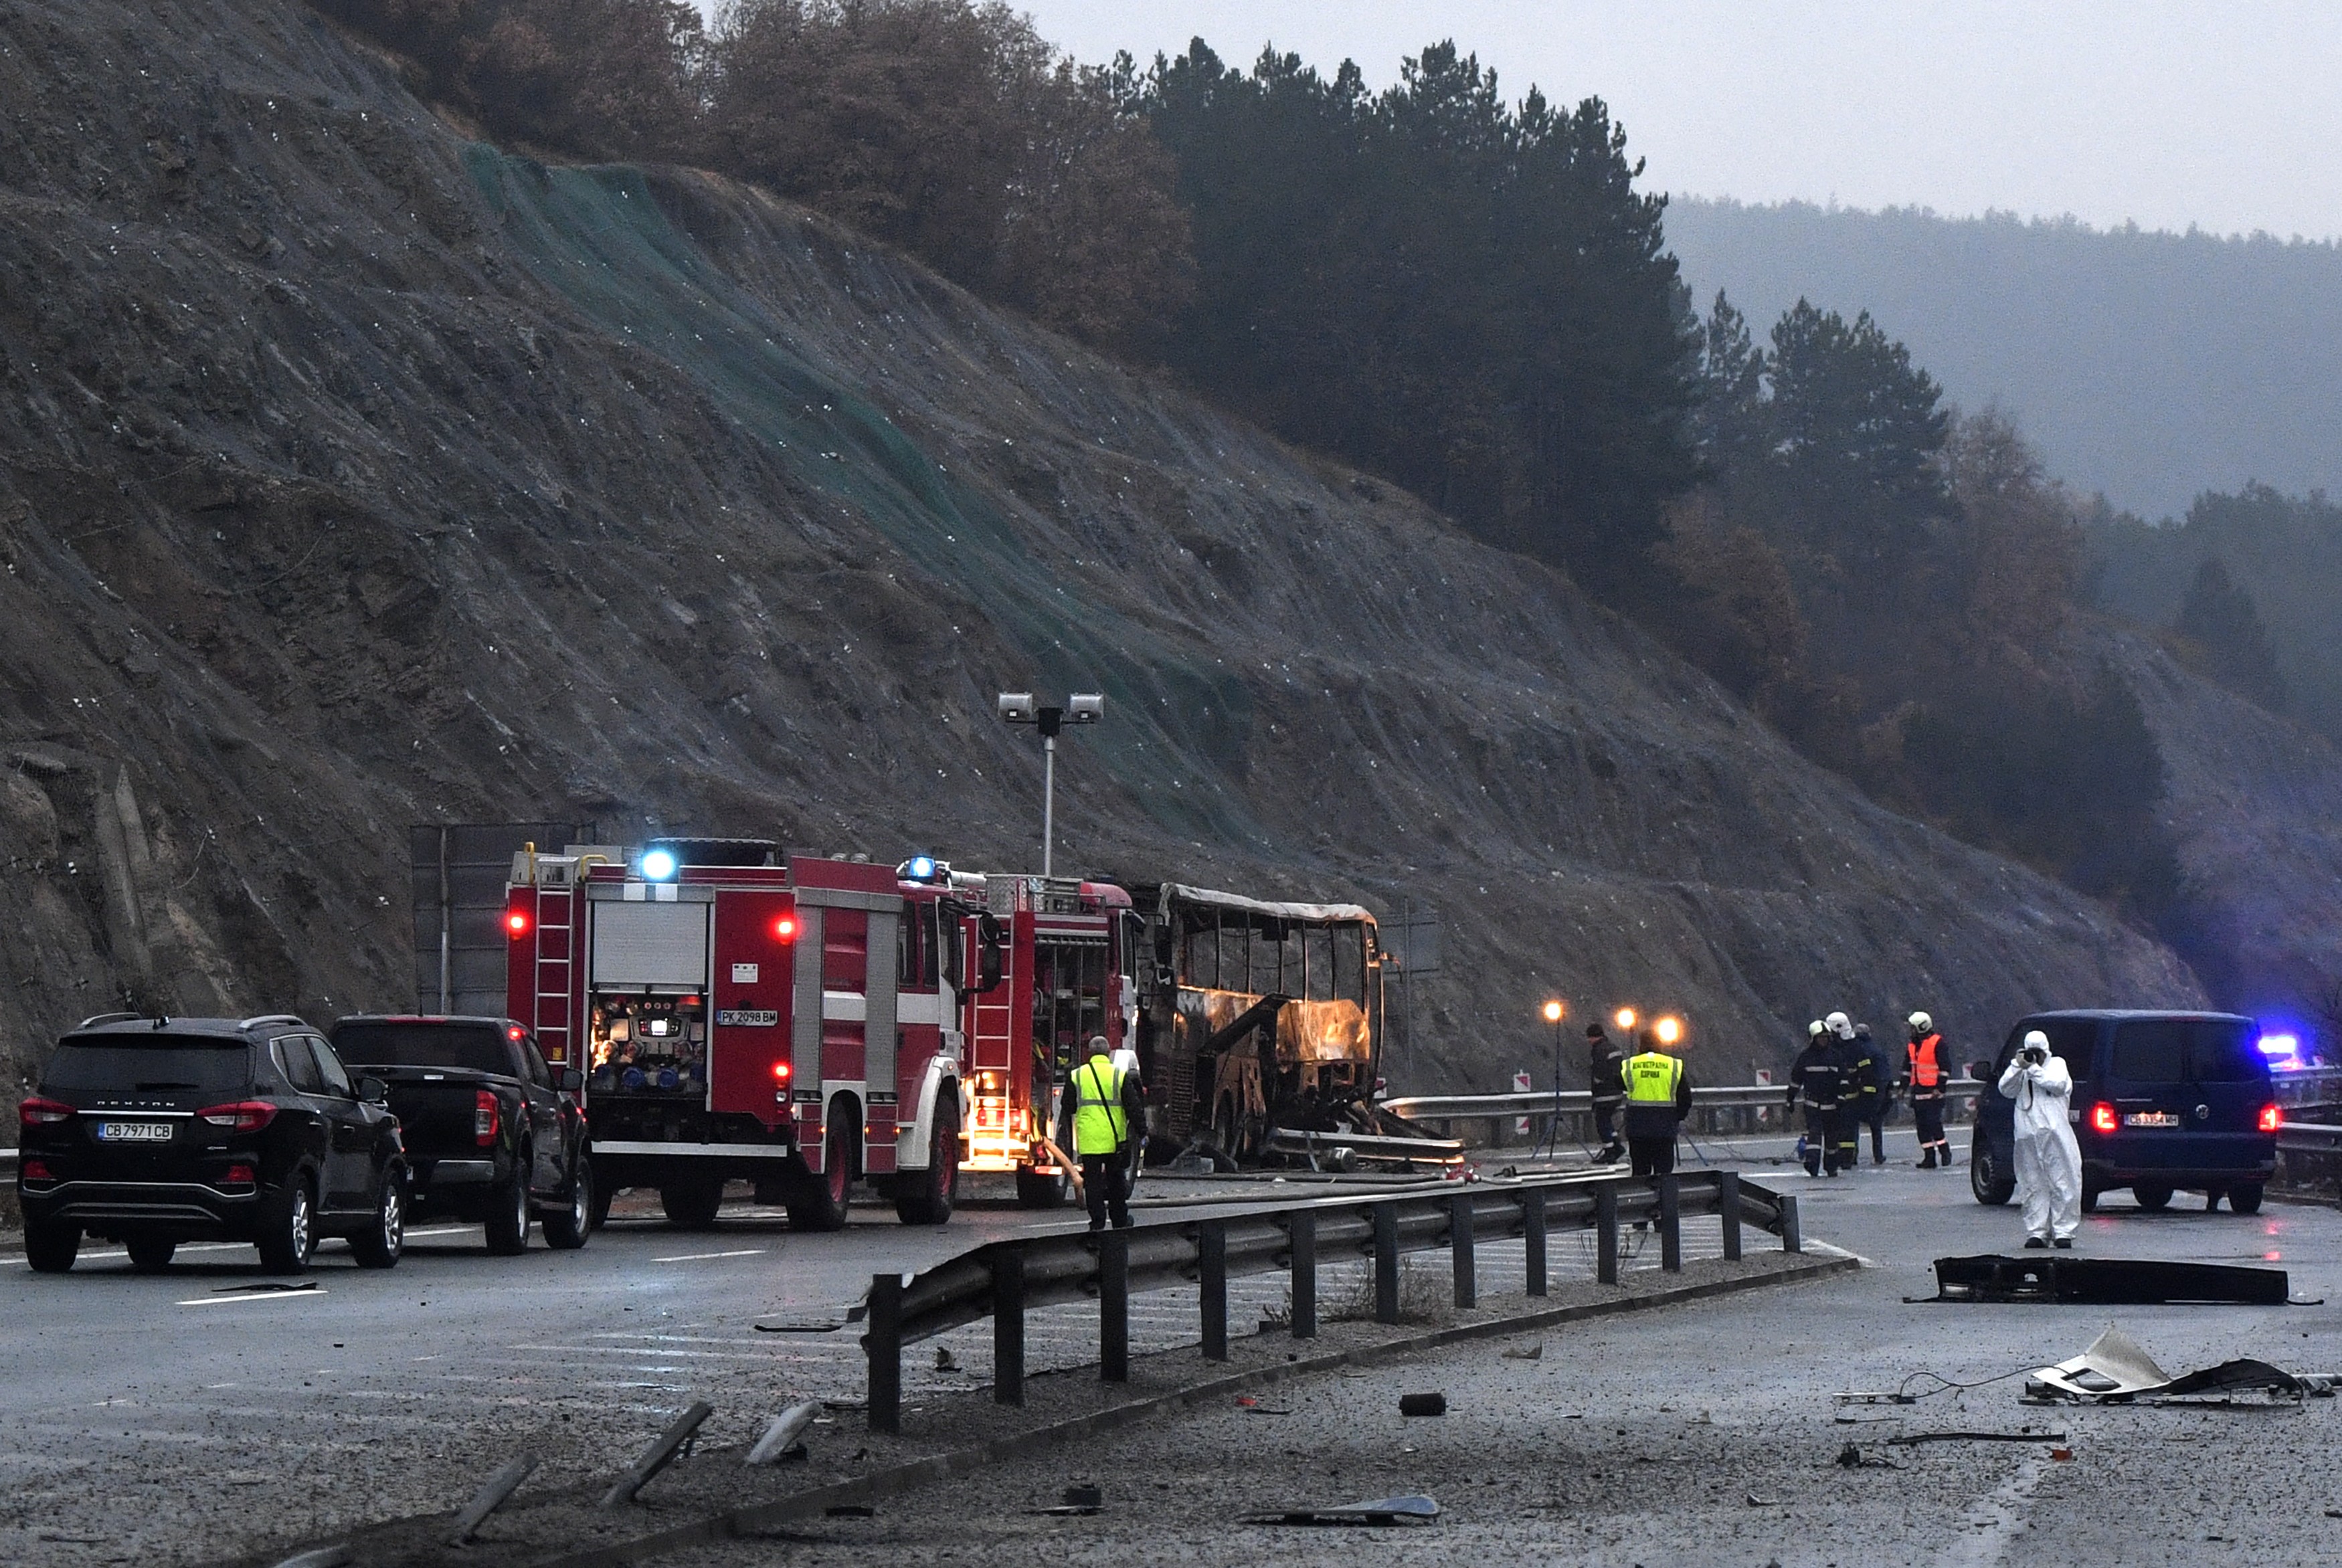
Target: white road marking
(694, 1257)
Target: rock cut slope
(354, 474)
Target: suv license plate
(135, 1131)
(2151, 1119)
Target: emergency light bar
(658, 864)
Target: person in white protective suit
(2048, 1160)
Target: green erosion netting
(598, 237)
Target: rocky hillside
(356, 474)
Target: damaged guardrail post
(1533, 1238)
(1727, 1208)
(1386, 1263)
(1459, 1249)
(1008, 1327)
(661, 1452)
(1114, 1307)
(491, 1496)
(1605, 1234)
(1301, 1233)
(1671, 1223)
(883, 1343)
(1212, 1282)
(1793, 1240)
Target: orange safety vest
(1927, 1073)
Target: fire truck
(792, 1020)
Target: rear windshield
(156, 1065)
(2176, 1050)
(479, 1046)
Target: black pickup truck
(493, 1134)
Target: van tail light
(2272, 1119)
(37, 1171)
(240, 1176)
(40, 1112)
(2102, 1118)
(484, 1118)
(240, 1116)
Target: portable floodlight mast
(1081, 708)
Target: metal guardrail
(1003, 1280)
(1723, 1111)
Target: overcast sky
(2224, 115)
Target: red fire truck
(740, 1013)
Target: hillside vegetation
(353, 473)
(2151, 367)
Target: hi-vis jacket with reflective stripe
(1101, 1125)
(1658, 1094)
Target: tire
(151, 1254)
(288, 1234)
(1035, 1190)
(2245, 1197)
(819, 1201)
(602, 1196)
(925, 1197)
(1991, 1188)
(2152, 1196)
(691, 1204)
(567, 1230)
(2089, 1199)
(381, 1244)
(508, 1216)
(50, 1248)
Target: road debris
(944, 1360)
(2116, 1371)
(2105, 1282)
(784, 1438)
(1380, 1512)
(658, 1455)
(1854, 1457)
(1526, 1353)
(491, 1496)
(1913, 1439)
(1423, 1404)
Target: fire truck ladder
(553, 976)
(990, 1052)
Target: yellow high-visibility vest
(1652, 1078)
(1100, 1124)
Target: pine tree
(2223, 638)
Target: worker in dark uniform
(1878, 1090)
(1103, 1114)
(1849, 1092)
(1605, 1062)
(1925, 1072)
(1659, 1097)
(1817, 1077)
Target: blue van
(2163, 1102)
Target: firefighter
(1605, 1064)
(1103, 1116)
(1849, 1092)
(1659, 1097)
(1878, 1090)
(1817, 1076)
(1924, 1074)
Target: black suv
(2163, 1102)
(154, 1131)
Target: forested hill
(2149, 366)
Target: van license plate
(135, 1131)
(2151, 1119)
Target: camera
(2035, 1055)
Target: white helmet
(1840, 1025)
(1921, 1022)
(1813, 1030)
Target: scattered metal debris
(1526, 1353)
(849, 1511)
(1084, 1496)
(1423, 1404)
(1853, 1457)
(658, 1455)
(2105, 1282)
(2116, 1371)
(1380, 1511)
(1912, 1440)
(944, 1360)
(1757, 1502)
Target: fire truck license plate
(2152, 1119)
(135, 1131)
(748, 1018)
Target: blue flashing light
(658, 864)
(923, 868)
(2280, 1045)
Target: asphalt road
(171, 1418)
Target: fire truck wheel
(816, 1201)
(691, 1204)
(925, 1197)
(1037, 1190)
